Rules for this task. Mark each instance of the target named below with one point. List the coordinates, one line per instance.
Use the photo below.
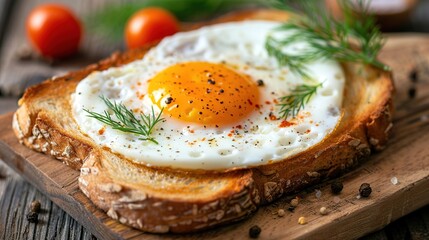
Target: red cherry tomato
(149, 25)
(53, 30)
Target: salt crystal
(318, 193)
(394, 180)
(358, 196)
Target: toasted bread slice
(166, 200)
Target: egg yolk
(204, 93)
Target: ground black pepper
(168, 100)
(291, 208)
(260, 82)
(365, 190)
(336, 187)
(254, 231)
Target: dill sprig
(296, 100)
(296, 63)
(127, 121)
(349, 40)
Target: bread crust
(186, 201)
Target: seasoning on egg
(285, 123)
(212, 97)
(272, 116)
(168, 100)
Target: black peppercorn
(35, 206)
(336, 187)
(365, 190)
(254, 231)
(412, 92)
(168, 100)
(260, 82)
(33, 217)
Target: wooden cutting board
(406, 158)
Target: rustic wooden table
(16, 194)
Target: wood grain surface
(15, 211)
(406, 157)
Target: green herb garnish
(294, 102)
(127, 121)
(352, 39)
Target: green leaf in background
(110, 20)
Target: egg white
(258, 140)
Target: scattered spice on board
(323, 211)
(302, 220)
(281, 212)
(33, 214)
(35, 206)
(294, 202)
(394, 180)
(336, 187)
(365, 190)
(254, 231)
(33, 217)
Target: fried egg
(219, 93)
